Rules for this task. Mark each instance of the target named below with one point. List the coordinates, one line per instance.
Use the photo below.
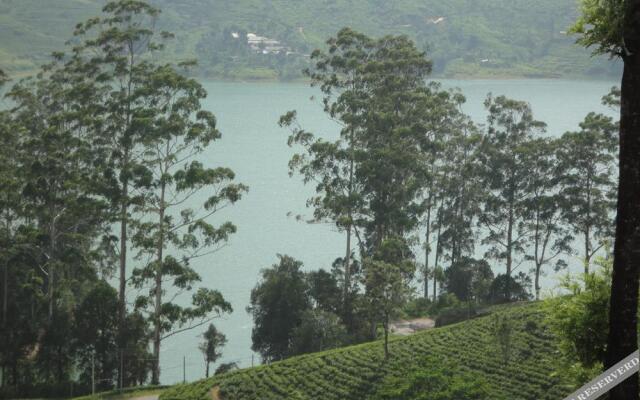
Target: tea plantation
(356, 372)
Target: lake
(255, 148)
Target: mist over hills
(464, 38)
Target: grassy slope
(353, 372)
(519, 37)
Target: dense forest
(101, 160)
(464, 38)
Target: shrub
(432, 381)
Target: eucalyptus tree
(614, 28)
(9, 194)
(371, 178)
(545, 226)
(211, 348)
(387, 276)
(331, 165)
(57, 209)
(55, 160)
(446, 144)
(587, 159)
(116, 49)
(438, 276)
(459, 192)
(13, 287)
(505, 167)
(393, 171)
(176, 133)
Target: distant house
(265, 45)
(435, 20)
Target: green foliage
(601, 24)
(588, 180)
(518, 286)
(505, 169)
(318, 330)
(469, 279)
(214, 340)
(358, 372)
(97, 138)
(96, 322)
(502, 330)
(433, 381)
(387, 290)
(545, 206)
(277, 305)
(581, 321)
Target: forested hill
(465, 38)
(441, 363)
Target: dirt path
(408, 327)
(215, 393)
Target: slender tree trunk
(435, 290)
(587, 228)
(386, 337)
(347, 269)
(507, 288)
(155, 379)
(537, 284)
(122, 300)
(438, 252)
(587, 251)
(52, 266)
(206, 375)
(538, 260)
(427, 250)
(623, 335)
(347, 263)
(5, 293)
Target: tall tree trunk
(623, 335)
(537, 283)
(438, 252)
(122, 300)
(435, 290)
(155, 379)
(587, 250)
(587, 228)
(507, 288)
(52, 264)
(347, 269)
(537, 259)
(427, 250)
(206, 375)
(347, 262)
(386, 337)
(5, 293)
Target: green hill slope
(468, 38)
(356, 372)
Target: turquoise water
(255, 148)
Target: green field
(356, 372)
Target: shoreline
(16, 76)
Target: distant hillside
(465, 38)
(356, 372)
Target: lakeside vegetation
(101, 165)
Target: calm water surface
(255, 148)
